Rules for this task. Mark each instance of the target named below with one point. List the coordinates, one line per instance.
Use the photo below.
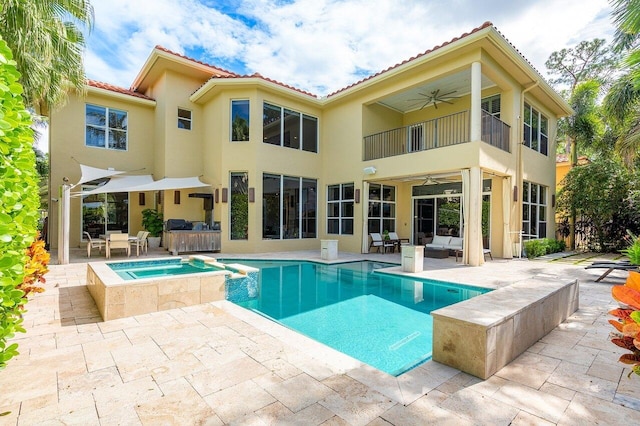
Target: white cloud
(324, 45)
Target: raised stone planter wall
(483, 334)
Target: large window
(239, 205)
(536, 130)
(289, 206)
(104, 212)
(534, 210)
(239, 120)
(382, 208)
(105, 127)
(184, 119)
(340, 201)
(289, 128)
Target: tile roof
(258, 75)
(117, 89)
(218, 69)
(475, 30)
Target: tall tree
(47, 42)
(622, 109)
(591, 63)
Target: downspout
(519, 165)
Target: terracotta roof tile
(475, 30)
(258, 75)
(164, 49)
(117, 89)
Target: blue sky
(323, 45)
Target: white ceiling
(458, 84)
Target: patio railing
(440, 132)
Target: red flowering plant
(628, 320)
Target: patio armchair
(393, 236)
(91, 243)
(140, 242)
(118, 241)
(377, 241)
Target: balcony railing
(440, 132)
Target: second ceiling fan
(434, 97)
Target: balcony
(440, 132)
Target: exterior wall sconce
(553, 200)
(159, 197)
(252, 195)
(225, 194)
(356, 196)
(141, 199)
(515, 193)
(176, 197)
(217, 197)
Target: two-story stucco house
(459, 140)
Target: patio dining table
(131, 239)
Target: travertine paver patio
(217, 363)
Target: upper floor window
(492, 105)
(536, 130)
(286, 127)
(105, 127)
(340, 202)
(184, 119)
(239, 120)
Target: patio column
(476, 102)
(472, 213)
(64, 211)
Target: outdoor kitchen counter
(180, 241)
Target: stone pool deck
(219, 364)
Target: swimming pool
(379, 318)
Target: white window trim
(106, 128)
(340, 201)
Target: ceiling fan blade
(446, 95)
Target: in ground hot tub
(123, 289)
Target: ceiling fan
(430, 180)
(434, 98)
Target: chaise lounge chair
(623, 265)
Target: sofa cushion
(455, 243)
(440, 241)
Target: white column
(64, 211)
(476, 101)
(474, 242)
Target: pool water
(381, 319)
(159, 268)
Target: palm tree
(47, 42)
(622, 108)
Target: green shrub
(19, 201)
(540, 247)
(633, 251)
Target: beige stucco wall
(67, 150)
(160, 147)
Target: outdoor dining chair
(118, 241)
(91, 243)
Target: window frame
(342, 204)
(286, 139)
(187, 120)
(302, 203)
(107, 128)
(232, 119)
(237, 197)
(382, 205)
(534, 136)
(534, 210)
